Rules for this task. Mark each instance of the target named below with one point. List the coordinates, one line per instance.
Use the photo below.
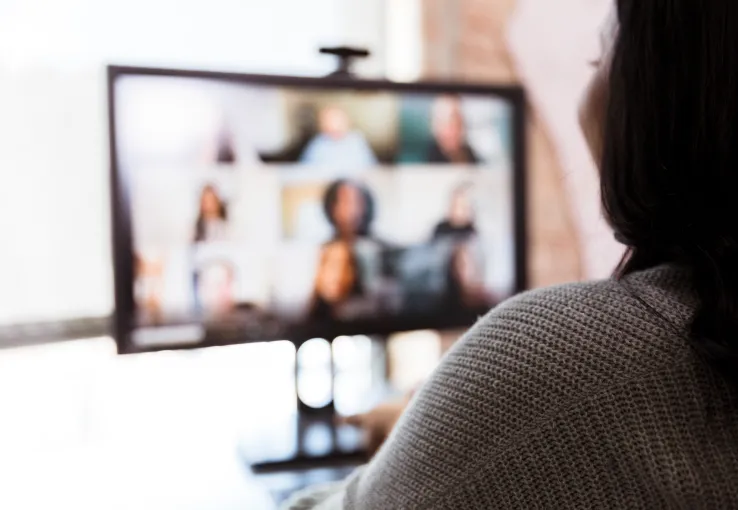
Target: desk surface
(82, 428)
(167, 476)
(131, 477)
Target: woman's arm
(379, 422)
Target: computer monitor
(254, 208)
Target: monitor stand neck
(318, 440)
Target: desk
(160, 476)
(172, 475)
(83, 428)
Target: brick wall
(465, 39)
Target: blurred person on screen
(212, 218)
(225, 154)
(339, 286)
(465, 291)
(349, 208)
(148, 287)
(460, 218)
(216, 284)
(222, 308)
(230, 143)
(337, 143)
(449, 144)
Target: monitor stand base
(313, 440)
(311, 437)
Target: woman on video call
(349, 208)
(466, 295)
(620, 393)
(460, 221)
(338, 280)
(212, 218)
(449, 144)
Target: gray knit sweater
(579, 396)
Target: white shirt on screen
(351, 151)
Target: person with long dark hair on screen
(349, 208)
(338, 280)
(449, 144)
(212, 217)
(460, 219)
(620, 393)
(466, 296)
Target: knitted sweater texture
(578, 396)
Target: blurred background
(81, 426)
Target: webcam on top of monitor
(346, 56)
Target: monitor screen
(252, 208)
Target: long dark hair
(222, 212)
(330, 198)
(319, 308)
(670, 157)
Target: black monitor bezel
(122, 241)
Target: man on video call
(337, 143)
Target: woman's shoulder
(526, 369)
(584, 332)
(555, 309)
(643, 296)
(568, 293)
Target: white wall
(55, 259)
(404, 36)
